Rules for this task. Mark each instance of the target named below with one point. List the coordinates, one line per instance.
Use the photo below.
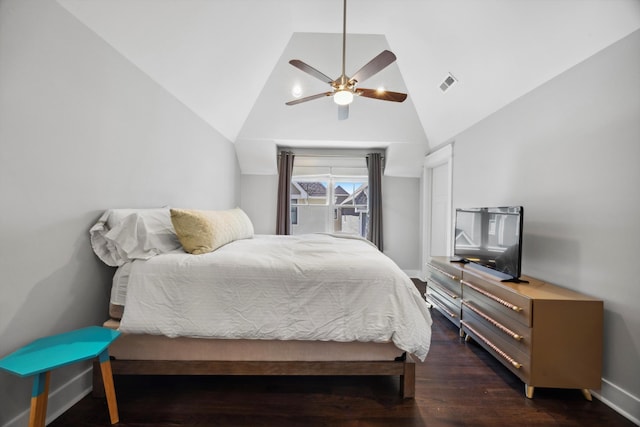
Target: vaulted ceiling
(227, 60)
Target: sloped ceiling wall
(218, 56)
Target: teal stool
(43, 355)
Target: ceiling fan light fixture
(343, 97)
(344, 89)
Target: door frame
(442, 156)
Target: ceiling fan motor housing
(343, 88)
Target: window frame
(330, 200)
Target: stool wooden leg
(109, 389)
(39, 398)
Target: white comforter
(309, 287)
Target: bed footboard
(404, 368)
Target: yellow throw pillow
(201, 231)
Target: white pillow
(122, 235)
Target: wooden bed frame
(404, 367)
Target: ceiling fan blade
(343, 112)
(383, 95)
(310, 70)
(309, 98)
(374, 66)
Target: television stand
(546, 335)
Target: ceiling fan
(344, 89)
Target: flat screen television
(491, 238)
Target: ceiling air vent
(447, 83)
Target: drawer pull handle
(450, 276)
(443, 289)
(493, 322)
(494, 347)
(493, 297)
(441, 306)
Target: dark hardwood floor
(458, 385)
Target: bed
(198, 293)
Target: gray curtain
(374, 227)
(285, 169)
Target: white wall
(259, 199)
(401, 222)
(81, 130)
(569, 152)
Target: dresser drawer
(517, 362)
(449, 269)
(455, 294)
(492, 298)
(445, 278)
(511, 337)
(450, 308)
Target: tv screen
(490, 237)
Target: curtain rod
(353, 156)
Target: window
(351, 206)
(330, 193)
(329, 203)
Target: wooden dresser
(547, 335)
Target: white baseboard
(61, 399)
(619, 400)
